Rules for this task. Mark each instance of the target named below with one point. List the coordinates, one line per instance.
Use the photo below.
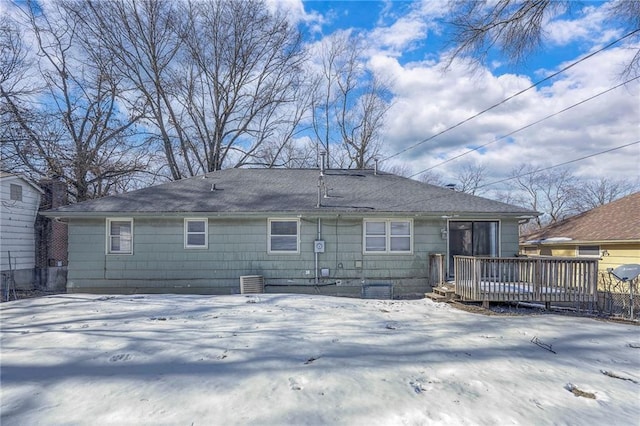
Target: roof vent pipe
(375, 166)
(323, 154)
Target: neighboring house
(610, 233)
(301, 230)
(20, 200)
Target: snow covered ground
(293, 359)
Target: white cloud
(589, 26)
(406, 32)
(296, 13)
(428, 101)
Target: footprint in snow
(295, 384)
(417, 386)
(120, 357)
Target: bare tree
(516, 27)
(350, 103)
(471, 177)
(550, 192)
(75, 130)
(595, 193)
(244, 81)
(290, 154)
(219, 79)
(398, 170)
(144, 40)
(13, 69)
(431, 178)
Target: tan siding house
(610, 233)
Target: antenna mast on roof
(321, 183)
(323, 154)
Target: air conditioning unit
(251, 284)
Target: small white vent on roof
(251, 284)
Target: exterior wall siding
(17, 232)
(616, 254)
(16, 220)
(509, 236)
(237, 247)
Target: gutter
(301, 214)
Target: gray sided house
(298, 230)
(19, 202)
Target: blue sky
(367, 15)
(406, 43)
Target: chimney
(51, 236)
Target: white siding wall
(17, 219)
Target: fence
(617, 298)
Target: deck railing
(540, 279)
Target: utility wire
(560, 164)
(512, 96)
(523, 128)
(527, 126)
(446, 193)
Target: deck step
(444, 291)
(435, 297)
(442, 294)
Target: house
(20, 200)
(293, 230)
(610, 233)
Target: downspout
(320, 185)
(317, 255)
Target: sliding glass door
(472, 238)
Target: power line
(446, 193)
(527, 126)
(560, 164)
(511, 97)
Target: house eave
(307, 213)
(12, 177)
(579, 242)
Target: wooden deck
(532, 279)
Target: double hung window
(284, 236)
(195, 233)
(388, 236)
(119, 236)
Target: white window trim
(186, 233)
(284, 219)
(108, 236)
(387, 234)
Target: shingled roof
(292, 190)
(615, 221)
